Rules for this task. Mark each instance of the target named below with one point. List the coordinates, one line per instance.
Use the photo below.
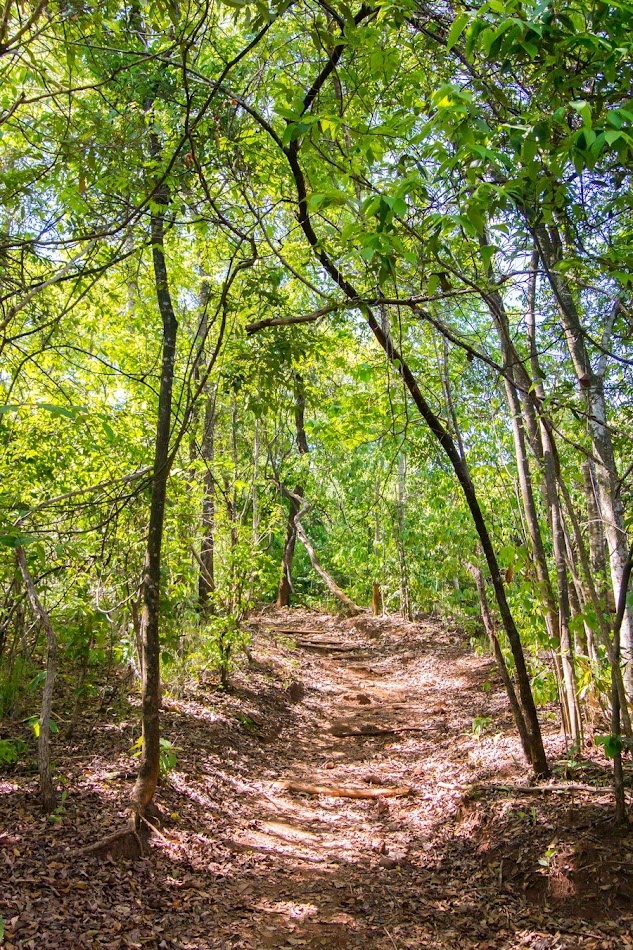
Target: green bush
(15, 679)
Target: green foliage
(610, 744)
(528, 817)
(223, 638)
(544, 686)
(57, 815)
(167, 757)
(15, 680)
(34, 723)
(480, 725)
(548, 857)
(408, 179)
(10, 752)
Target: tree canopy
(337, 294)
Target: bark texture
(592, 392)
(284, 595)
(150, 757)
(47, 788)
(206, 577)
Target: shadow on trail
(466, 861)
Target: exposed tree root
(342, 791)
(129, 843)
(326, 647)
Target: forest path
(244, 862)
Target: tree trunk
(489, 626)
(376, 600)
(206, 576)
(618, 772)
(150, 758)
(284, 594)
(603, 631)
(350, 607)
(591, 384)
(47, 789)
(595, 532)
(557, 617)
(405, 598)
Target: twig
(155, 829)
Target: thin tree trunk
(595, 531)
(350, 607)
(255, 489)
(529, 504)
(618, 773)
(405, 599)
(137, 627)
(47, 789)
(284, 594)
(558, 539)
(489, 625)
(255, 513)
(603, 631)
(206, 576)
(377, 601)
(591, 385)
(83, 672)
(285, 591)
(594, 566)
(557, 617)
(230, 500)
(150, 758)
(448, 397)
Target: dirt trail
(472, 858)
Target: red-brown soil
(475, 857)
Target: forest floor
(475, 856)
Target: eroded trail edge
(360, 786)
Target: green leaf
(457, 28)
(433, 284)
(109, 431)
(58, 410)
(612, 136)
(315, 201)
(487, 253)
(611, 744)
(17, 540)
(584, 110)
(137, 747)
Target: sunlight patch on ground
(195, 710)
(288, 909)
(6, 788)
